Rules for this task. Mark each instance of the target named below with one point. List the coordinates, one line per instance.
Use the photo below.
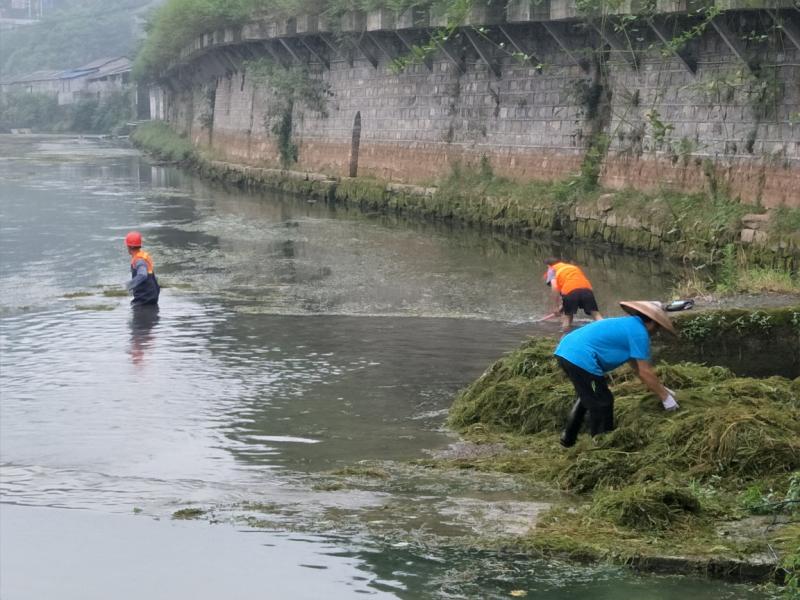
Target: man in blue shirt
(590, 352)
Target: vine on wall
(289, 88)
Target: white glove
(669, 402)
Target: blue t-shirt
(602, 346)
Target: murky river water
(292, 341)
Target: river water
(294, 342)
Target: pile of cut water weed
(729, 432)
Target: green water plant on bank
(660, 482)
(762, 341)
(160, 140)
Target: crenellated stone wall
(666, 124)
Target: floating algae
(188, 513)
(96, 307)
(660, 482)
(115, 293)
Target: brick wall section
(715, 116)
(530, 125)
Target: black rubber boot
(574, 422)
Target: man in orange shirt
(571, 290)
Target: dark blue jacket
(143, 281)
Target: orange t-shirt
(569, 278)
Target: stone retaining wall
(527, 122)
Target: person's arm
(555, 296)
(140, 277)
(645, 371)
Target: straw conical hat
(650, 309)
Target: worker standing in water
(588, 353)
(143, 284)
(570, 290)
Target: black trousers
(594, 397)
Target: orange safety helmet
(133, 239)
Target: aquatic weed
(653, 506)
(188, 513)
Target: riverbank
(697, 228)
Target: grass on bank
(734, 274)
(160, 140)
(660, 482)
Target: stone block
(753, 4)
(380, 19)
(756, 221)
(260, 30)
(412, 18)
(285, 27)
(681, 6)
(485, 12)
(307, 24)
(354, 20)
(563, 9)
(231, 36)
(605, 202)
(523, 11)
(626, 7)
(437, 16)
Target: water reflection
(143, 320)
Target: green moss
(758, 342)
(160, 140)
(188, 513)
(115, 293)
(362, 471)
(97, 307)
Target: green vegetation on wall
(177, 22)
(290, 88)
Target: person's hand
(669, 403)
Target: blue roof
(73, 73)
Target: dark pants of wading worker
(594, 397)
